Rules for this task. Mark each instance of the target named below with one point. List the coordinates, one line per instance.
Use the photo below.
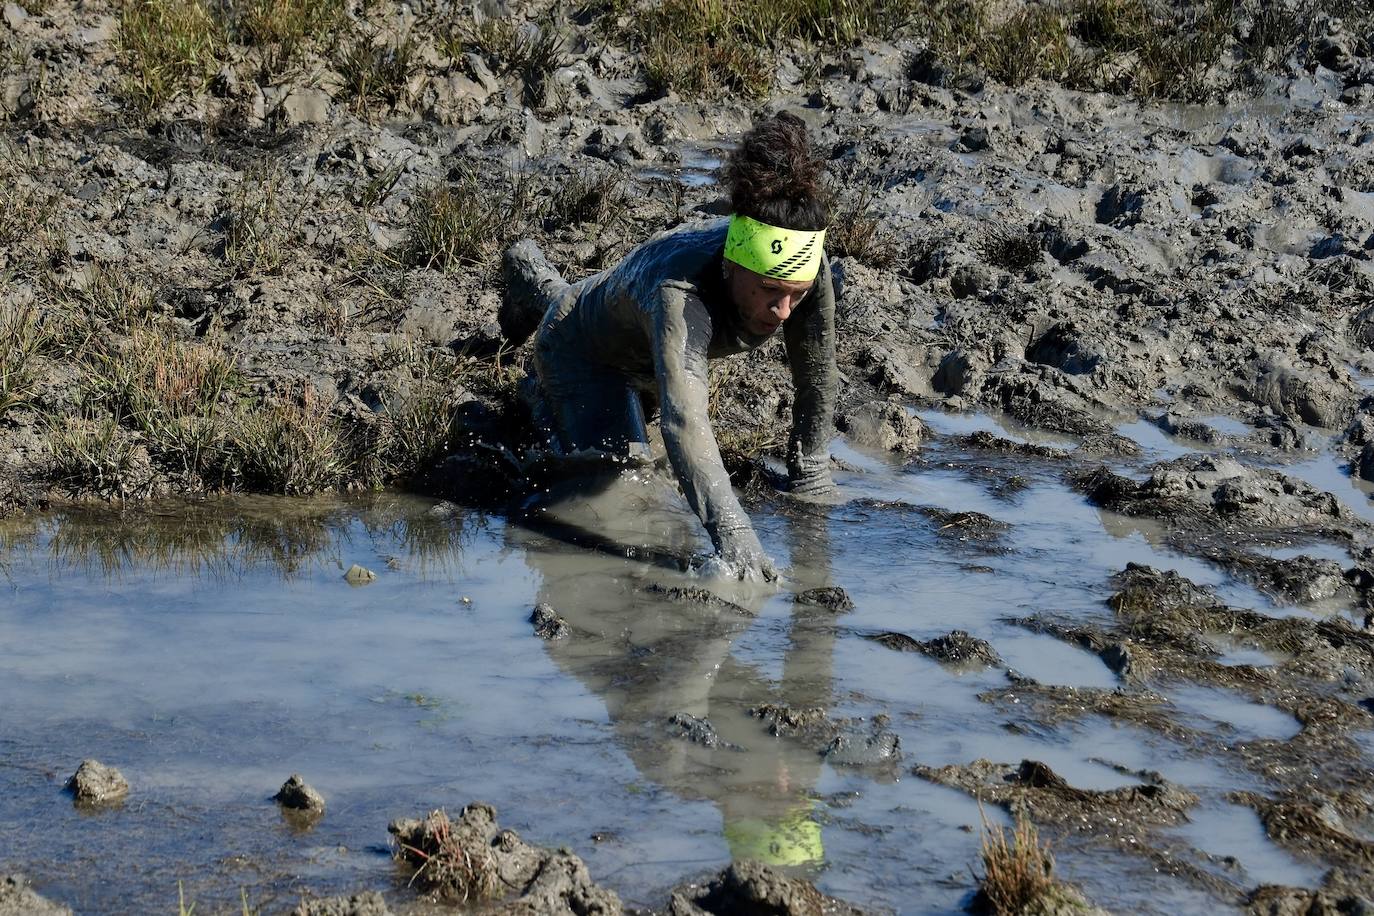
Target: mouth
(765, 328)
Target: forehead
(796, 286)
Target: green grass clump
(1018, 875)
(587, 197)
(169, 47)
(706, 47)
(97, 457)
(291, 446)
(462, 222)
(531, 52)
(23, 338)
(282, 29)
(170, 391)
(259, 229)
(377, 74)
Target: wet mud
(1104, 556)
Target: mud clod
(954, 648)
(832, 598)
(841, 741)
(298, 795)
(1031, 789)
(752, 889)
(471, 859)
(94, 783)
(698, 731)
(369, 903)
(18, 899)
(547, 623)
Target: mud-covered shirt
(658, 316)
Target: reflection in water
(227, 538)
(652, 659)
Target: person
(645, 329)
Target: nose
(783, 307)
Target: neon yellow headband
(783, 254)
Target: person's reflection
(652, 659)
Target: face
(763, 302)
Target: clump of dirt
(94, 783)
(697, 730)
(18, 899)
(471, 859)
(693, 594)
(883, 426)
(299, 796)
(855, 742)
(367, 903)
(830, 598)
(751, 888)
(1031, 789)
(956, 648)
(547, 623)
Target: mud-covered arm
(681, 335)
(810, 339)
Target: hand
(743, 558)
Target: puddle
(211, 649)
(1227, 426)
(1233, 830)
(1159, 444)
(1209, 707)
(1329, 473)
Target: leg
(532, 286)
(591, 408)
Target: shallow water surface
(211, 649)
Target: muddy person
(612, 347)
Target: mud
(471, 859)
(1106, 409)
(746, 888)
(299, 796)
(18, 899)
(94, 784)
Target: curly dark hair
(774, 175)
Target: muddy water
(210, 650)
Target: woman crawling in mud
(644, 330)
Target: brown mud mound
(17, 899)
(956, 648)
(753, 889)
(1210, 490)
(856, 742)
(367, 903)
(1031, 789)
(472, 860)
(298, 795)
(94, 783)
(1273, 900)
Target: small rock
(359, 575)
(15, 16)
(94, 783)
(299, 795)
(305, 106)
(547, 623)
(832, 598)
